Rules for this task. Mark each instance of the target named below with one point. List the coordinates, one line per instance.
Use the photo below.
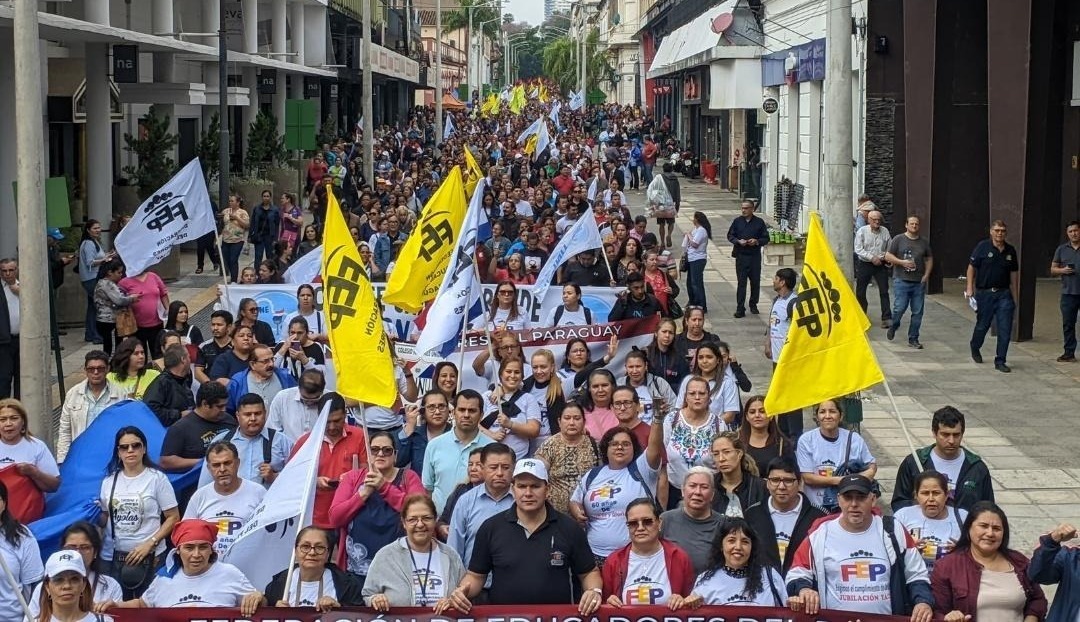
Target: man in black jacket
(969, 477)
(634, 303)
(169, 395)
(787, 513)
(747, 235)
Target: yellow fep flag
(473, 172)
(826, 354)
(530, 144)
(517, 102)
(365, 371)
(421, 264)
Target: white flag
(583, 236)
(305, 269)
(543, 140)
(554, 115)
(264, 546)
(529, 131)
(448, 127)
(178, 212)
(459, 290)
(577, 100)
(591, 194)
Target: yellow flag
(530, 144)
(543, 94)
(826, 354)
(421, 264)
(491, 106)
(473, 172)
(517, 102)
(365, 370)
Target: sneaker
(1003, 368)
(891, 333)
(1066, 358)
(915, 344)
(975, 356)
(754, 309)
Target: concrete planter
(71, 301)
(285, 180)
(251, 190)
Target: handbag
(125, 322)
(684, 264)
(132, 576)
(675, 310)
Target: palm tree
(560, 62)
(481, 12)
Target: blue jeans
(647, 177)
(913, 294)
(695, 283)
(90, 332)
(263, 249)
(1070, 306)
(994, 307)
(231, 259)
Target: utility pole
(369, 122)
(223, 109)
(468, 51)
(837, 196)
(34, 333)
(438, 72)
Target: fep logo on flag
(178, 212)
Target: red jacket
(680, 571)
(955, 583)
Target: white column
(98, 134)
(296, 27)
(210, 22)
(251, 26)
(8, 157)
(162, 16)
(278, 42)
(316, 35)
(817, 172)
(97, 11)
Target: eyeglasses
(434, 408)
(130, 446)
(382, 451)
(96, 369)
(416, 520)
(621, 445)
(637, 524)
(623, 404)
(782, 481)
(308, 549)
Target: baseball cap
(55, 234)
(855, 483)
(63, 561)
(531, 466)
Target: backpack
(635, 474)
(897, 575)
(561, 308)
(267, 443)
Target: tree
(266, 147)
(560, 62)
(152, 148)
(481, 12)
(328, 133)
(207, 149)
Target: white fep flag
(583, 236)
(177, 212)
(305, 269)
(264, 546)
(459, 290)
(577, 100)
(529, 131)
(448, 127)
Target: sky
(531, 11)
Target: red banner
(553, 613)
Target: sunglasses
(382, 451)
(637, 524)
(129, 446)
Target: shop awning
(701, 41)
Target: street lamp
(479, 4)
(479, 39)
(508, 42)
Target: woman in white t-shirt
(738, 573)
(571, 312)
(83, 539)
(696, 243)
(305, 308)
(511, 415)
(710, 363)
(66, 592)
(650, 570)
(20, 552)
(133, 497)
(626, 473)
(193, 576)
(30, 456)
(828, 453)
(933, 524)
(504, 312)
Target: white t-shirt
(316, 321)
(647, 581)
(821, 456)
(932, 535)
(568, 318)
(949, 468)
(107, 589)
(779, 324)
(724, 589)
(428, 576)
(722, 400)
(309, 590)
(529, 410)
(222, 585)
(135, 509)
(502, 317)
(540, 395)
(31, 451)
(856, 567)
(89, 617)
(24, 560)
(784, 523)
(230, 512)
(605, 503)
(701, 238)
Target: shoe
(1003, 368)
(198, 270)
(98, 342)
(975, 356)
(915, 344)
(740, 314)
(754, 309)
(891, 332)
(1066, 358)
(886, 323)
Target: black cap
(855, 483)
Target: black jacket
(761, 522)
(168, 396)
(626, 308)
(751, 492)
(345, 585)
(265, 225)
(974, 481)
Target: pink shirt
(146, 308)
(600, 420)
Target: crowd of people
(658, 480)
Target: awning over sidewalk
(701, 34)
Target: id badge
(558, 559)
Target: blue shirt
(411, 449)
(251, 454)
(446, 464)
(472, 509)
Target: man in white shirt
(295, 410)
(230, 501)
(85, 401)
(9, 329)
(788, 514)
(791, 424)
(871, 242)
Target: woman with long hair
(65, 594)
(108, 299)
(269, 273)
(737, 480)
(709, 363)
(84, 541)
(761, 435)
(445, 379)
(696, 243)
(653, 393)
(829, 453)
(578, 365)
(503, 313)
(738, 573)
(629, 250)
(311, 240)
(292, 218)
(179, 321)
(248, 315)
(153, 295)
(20, 552)
(546, 388)
(91, 256)
(30, 456)
(316, 581)
(597, 403)
(134, 495)
(511, 414)
(571, 312)
(934, 524)
(984, 579)
(570, 454)
(514, 271)
(688, 435)
(664, 359)
(307, 309)
(128, 369)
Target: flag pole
(903, 426)
(15, 587)
(483, 314)
(464, 332)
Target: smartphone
(333, 483)
(294, 346)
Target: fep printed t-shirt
(605, 503)
(647, 581)
(822, 456)
(229, 512)
(222, 585)
(934, 537)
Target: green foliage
(207, 149)
(266, 147)
(152, 148)
(560, 62)
(482, 12)
(328, 133)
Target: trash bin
(708, 171)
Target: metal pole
(33, 263)
(369, 122)
(438, 72)
(837, 199)
(223, 112)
